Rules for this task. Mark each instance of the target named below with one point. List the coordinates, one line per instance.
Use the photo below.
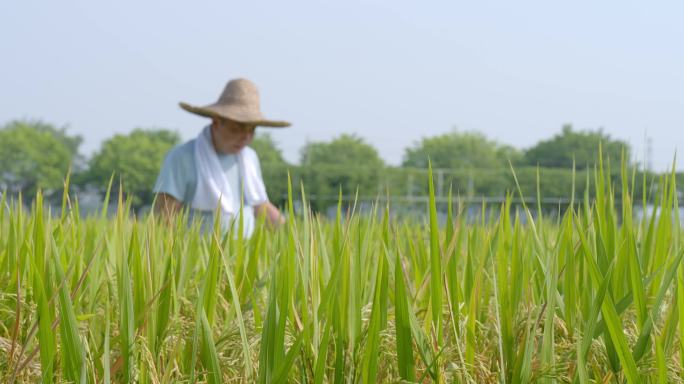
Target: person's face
(231, 136)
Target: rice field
(593, 296)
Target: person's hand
(273, 216)
(167, 206)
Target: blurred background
(373, 89)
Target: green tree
(267, 149)
(346, 162)
(34, 154)
(273, 167)
(583, 146)
(134, 159)
(459, 150)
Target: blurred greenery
(582, 146)
(35, 154)
(458, 150)
(134, 159)
(345, 163)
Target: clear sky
(390, 71)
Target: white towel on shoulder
(212, 184)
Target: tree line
(35, 154)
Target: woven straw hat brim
(235, 113)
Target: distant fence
(324, 182)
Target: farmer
(217, 168)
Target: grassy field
(592, 296)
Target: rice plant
(592, 295)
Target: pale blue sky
(390, 71)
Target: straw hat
(238, 102)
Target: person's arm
(273, 216)
(173, 182)
(167, 206)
